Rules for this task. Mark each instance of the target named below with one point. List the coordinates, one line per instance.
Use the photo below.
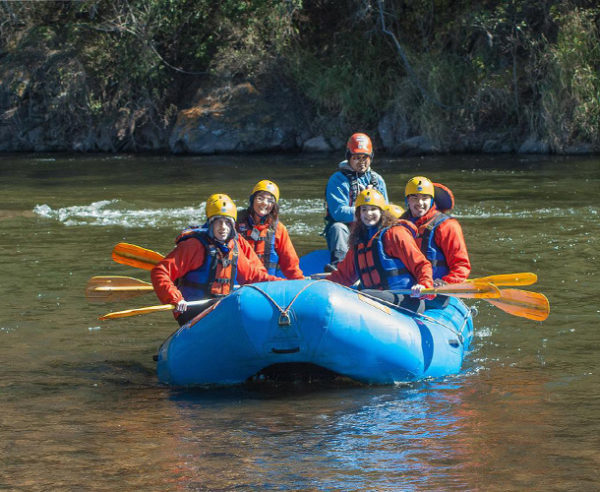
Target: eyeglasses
(360, 157)
(264, 199)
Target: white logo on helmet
(362, 142)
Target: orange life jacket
(262, 241)
(379, 270)
(216, 276)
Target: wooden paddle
(523, 303)
(135, 256)
(150, 309)
(107, 288)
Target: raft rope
(284, 317)
(414, 313)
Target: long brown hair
(358, 231)
(272, 216)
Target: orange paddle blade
(467, 290)
(135, 256)
(107, 288)
(509, 279)
(523, 303)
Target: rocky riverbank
(238, 118)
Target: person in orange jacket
(259, 224)
(440, 236)
(207, 262)
(383, 253)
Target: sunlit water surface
(81, 408)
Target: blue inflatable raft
(315, 322)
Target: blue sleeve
(337, 196)
(383, 188)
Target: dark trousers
(193, 311)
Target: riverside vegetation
(521, 75)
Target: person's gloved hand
(438, 282)
(181, 306)
(415, 290)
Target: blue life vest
(430, 248)
(216, 276)
(377, 269)
(352, 177)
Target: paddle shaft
(468, 290)
(113, 288)
(151, 309)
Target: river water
(81, 408)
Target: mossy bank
(198, 76)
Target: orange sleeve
(249, 267)
(289, 263)
(399, 242)
(187, 256)
(346, 273)
(449, 237)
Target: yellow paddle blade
(135, 256)
(509, 279)
(468, 290)
(107, 288)
(523, 303)
(137, 312)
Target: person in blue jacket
(353, 176)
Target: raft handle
(284, 319)
(285, 351)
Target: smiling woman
(259, 224)
(383, 254)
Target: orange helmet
(359, 143)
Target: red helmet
(359, 143)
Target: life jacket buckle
(284, 319)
